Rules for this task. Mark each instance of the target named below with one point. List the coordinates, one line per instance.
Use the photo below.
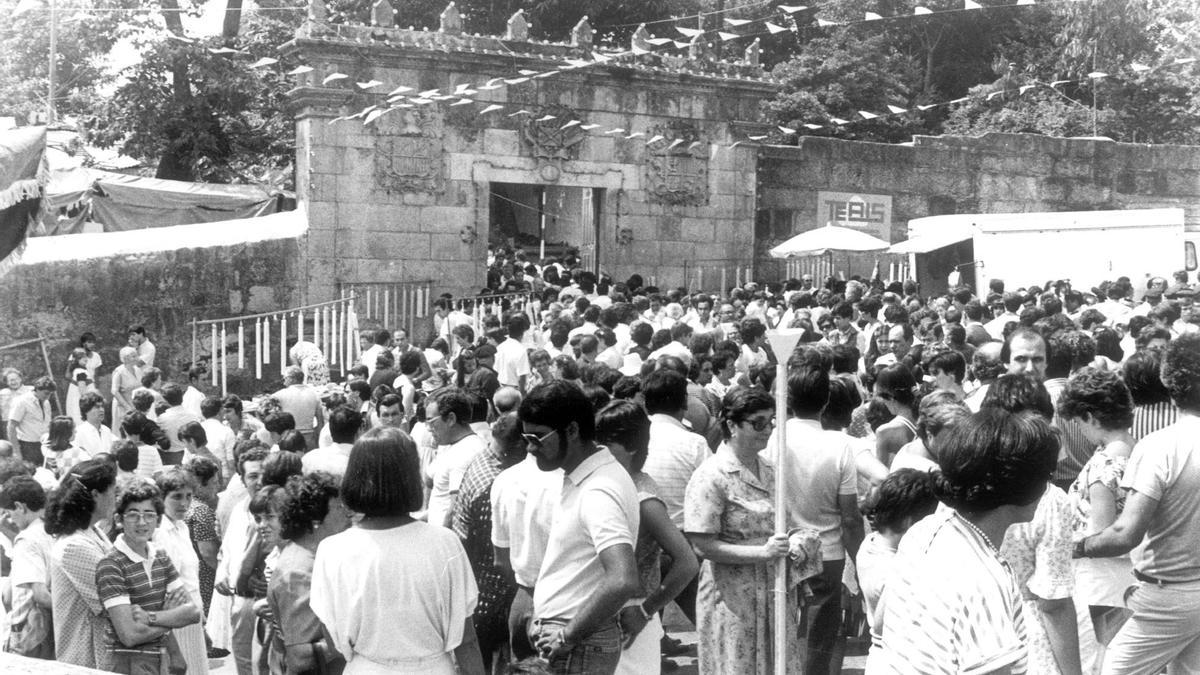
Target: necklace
(978, 531)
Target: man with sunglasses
(448, 416)
(589, 571)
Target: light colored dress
(173, 538)
(1039, 553)
(388, 622)
(80, 624)
(312, 361)
(734, 605)
(1102, 581)
(124, 381)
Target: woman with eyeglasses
(141, 590)
(729, 517)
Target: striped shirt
(951, 604)
(1149, 418)
(123, 577)
(675, 454)
(1075, 448)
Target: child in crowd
(22, 501)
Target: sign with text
(868, 213)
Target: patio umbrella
(826, 240)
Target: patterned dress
(1102, 581)
(734, 606)
(473, 525)
(312, 361)
(202, 526)
(79, 621)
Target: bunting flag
(773, 29)
(918, 11)
(788, 9)
(263, 62)
(24, 172)
(872, 16)
(727, 36)
(368, 85)
(897, 110)
(491, 108)
(299, 70)
(334, 77)
(737, 22)
(867, 115)
(689, 32)
(971, 4)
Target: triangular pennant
(658, 42)
(334, 77)
(896, 110)
(994, 94)
(838, 120)
(461, 88)
(368, 85)
(489, 87)
(517, 80)
(1026, 2)
(656, 138)
(1183, 61)
(548, 73)
(787, 130)
(693, 145)
(871, 16)
(737, 22)
(1097, 75)
(545, 118)
(374, 115)
(264, 61)
(1025, 87)
(814, 127)
(867, 115)
(568, 125)
(639, 51)
(923, 108)
(589, 127)
(428, 93)
(773, 29)
(527, 72)
(675, 143)
(823, 23)
(1138, 68)
(399, 90)
(491, 108)
(727, 36)
(757, 138)
(618, 130)
(636, 134)
(1059, 82)
(463, 101)
(918, 11)
(971, 4)
(224, 50)
(300, 70)
(792, 9)
(520, 112)
(422, 101)
(689, 32)
(680, 45)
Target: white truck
(1084, 247)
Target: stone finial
(641, 39)
(753, 52)
(518, 27)
(698, 48)
(582, 34)
(451, 20)
(382, 14)
(317, 12)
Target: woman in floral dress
(312, 361)
(729, 517)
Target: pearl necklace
(978, 531)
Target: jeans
(1163, 631)
(826, 639)
(596, 654)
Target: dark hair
(627, 388)
(996, 458)
(664, 391)
(279, 466)
(951, 362)
(89, 401)
(1143, 377)
(1016, 393)
(210, 407)
(139, 491)
(22, 489)
(906, 494)
(453, 400)
(232, 402)
(344, 423)
(383, 475)
(751, 329)
(203, 468)
(556, 405)
(62, 430)
(255, 453)
(173, 479)
(194, 431)
(625, 422)
(843, 400)
(279, 422)
(150, 376)
(939, 410)
(143, 400)
(293, 441)
(268, 496)
(69, 506)
(567, 366)
(126, 452)
(596, 395)
(1021, 333)
(1181, 371)
(306, 500)
(173, 394)
(808, 391)
(1100, 394)
(898, 381)
(740, 404)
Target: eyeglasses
(134, 517)
(761, 424)
(884, 396)
(538, 441)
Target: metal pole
(781, 457)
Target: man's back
(171, 421)
(675, 453)
(512, 362)
(302, 402)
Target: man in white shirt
(172, 420)
(382, 340)
(1012, 305)
(675, 453)
(448, 416)
(220, 437)
(589, 571)
(239, 532)
(345, 423)
(512, 359)
(681, 333)
(821, 484)
(590, 316)
(146, 350)
(192, 397)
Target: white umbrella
(827, 239)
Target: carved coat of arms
(548, 135)
(678, 166)
(408, 152)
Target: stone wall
(996, 173)
(405, 198)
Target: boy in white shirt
(22, 501)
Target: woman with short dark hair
(59, 450)
(83, 499)
(433, 599)
(1153, 409)
(995, 467)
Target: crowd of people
(966, 472)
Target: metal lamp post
(782, 342)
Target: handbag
(33, 636)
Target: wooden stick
(195, 336)
(50, 372)
(212, 361)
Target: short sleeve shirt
(288, 594)
(123, 577)
(30, 565)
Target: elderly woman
(141, 591)
(311, 511)
(433, 600)
(936, 619)
(312, 361)
(125, 378)
(729, 518)
(75, 510)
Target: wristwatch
(153, 617)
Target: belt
(1160, 582)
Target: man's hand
(258, 586)
(223, 588)
(262, 609)
(177, 598)
(632, 620)
(140, 615)
(552, 644)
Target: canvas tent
(23, 174)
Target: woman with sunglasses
(729, 517)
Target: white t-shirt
(92, 440)
(389, 622)
(30, 565)
(331, 459)
(221, 440)
(446, 471)
(675, 454)
(512, 362)
(874, 565)
(524, 499)
(598, 509)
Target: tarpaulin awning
(123, 202)
(69, 247)
(932, 241)
(825, 239)
(23, 173)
